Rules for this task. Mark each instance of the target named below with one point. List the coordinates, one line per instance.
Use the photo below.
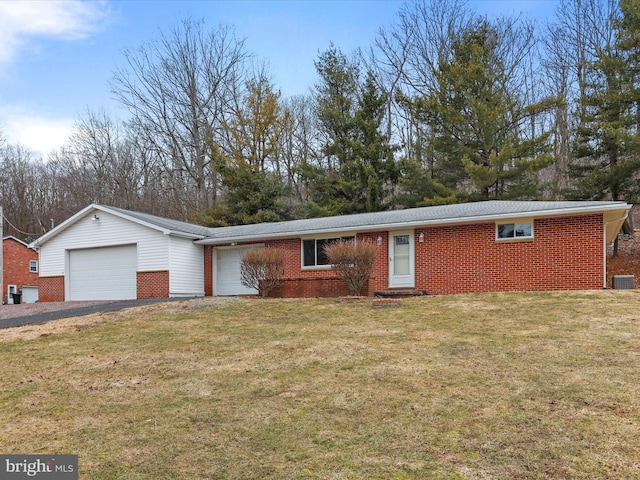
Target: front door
(401, 259)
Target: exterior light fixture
(379, 240)
(421, 238)
(95, 218)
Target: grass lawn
(504, 386)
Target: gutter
(403, 225)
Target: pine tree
(608, 141)
(357, 166)
(476, 123)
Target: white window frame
(346, 236)
(515, 237)
(33, 266)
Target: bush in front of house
(352, 261)
(262, 269)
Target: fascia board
(165, 231)
(622, 207)
(190, 236)
(38, 242)
(134, 220)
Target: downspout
(604, 248)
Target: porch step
(399, 293)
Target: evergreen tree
(476, 123)
(607, 165)
(357, 167)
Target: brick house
(105, 252)
(20, 271)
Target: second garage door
(107, 273)
(227, 272)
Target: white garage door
(103, 273)
(29, 294)
(227, 274)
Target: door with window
(401, 260)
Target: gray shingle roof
(165, 223)
(393, 219)
(405, 218)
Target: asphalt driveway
(31, 315)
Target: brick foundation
(51, 289)
(311, 287)
(152, 284)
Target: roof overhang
(614, 215)
(94, 208)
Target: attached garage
(227, 271)
(29, 294)
(107, 273)
(107, 253)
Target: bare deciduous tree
(352, 261)
(179, 89)
(262, 269)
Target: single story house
(104, 253)
(19, 271)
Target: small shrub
(352, 262)
(262, 269)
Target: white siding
(109, 230)
(186, 277)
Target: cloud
(21, 22)
(37, 133)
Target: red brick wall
(16, 258)
(208, 270)
(152, 284)
(51, 289)
(566, 254)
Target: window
(313, 251)
(33, 266)
(514, 231)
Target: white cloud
(21, 21)
(37, 133)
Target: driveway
(34, 313)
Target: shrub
(352, 261)
(262, 269)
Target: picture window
(313, 251)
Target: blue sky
(57, 57)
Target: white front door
(401, 259)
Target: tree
(180, 90)
(478, 124)
(357, 165)
(254, 191)
(581, 31)
(608, 138)
(352, 261)
(262, 269)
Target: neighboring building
(20, 271)
(110, 253)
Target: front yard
(531, 386)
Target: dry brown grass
(533, 386)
